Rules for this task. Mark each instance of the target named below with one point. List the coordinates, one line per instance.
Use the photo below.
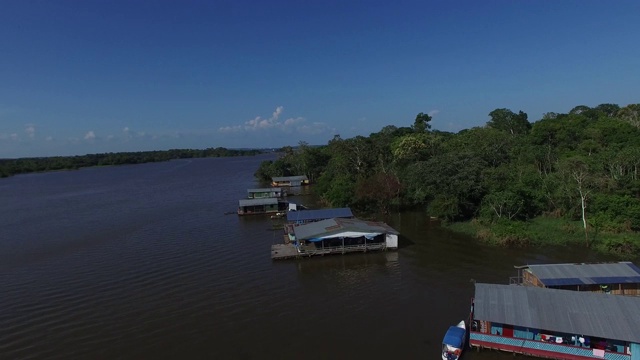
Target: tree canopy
(583, 165)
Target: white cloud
(229, 129)
(258, 123)
(30, 129)
(127, 133)
(292, 121)
(14, 136)
(294, 124)
(433, 113)
(277, 112)
(49, 138)
(90, 135)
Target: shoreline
(546, 231)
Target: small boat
(278, 215)
(453, 341)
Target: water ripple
(141, 262)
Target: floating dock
(289, 251)
(284, 251)
(334, 236)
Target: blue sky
(94, 76)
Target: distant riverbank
(9, 167)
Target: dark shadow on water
(404, 242)
(347, 269)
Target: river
(140, 261)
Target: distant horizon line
(264, 149)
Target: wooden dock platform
(283, 251)
(289, 251)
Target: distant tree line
(10, 167)
(578, 170)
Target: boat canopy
(454, 336)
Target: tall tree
(507, 120)
(609, 110)
(505, 204)
(630, 114)
(578, 171)
(421, 123)
(579, 109)
(380, 189)
(409, 147)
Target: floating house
(556, 324)
(261, 206)
(274, 192)
(620, 278)
(290, 181)
(307, 216)
(336, 236)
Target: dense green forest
(10, 167)
(569, 178)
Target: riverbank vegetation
(10, 167)
(566, 178)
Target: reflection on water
(141, 261)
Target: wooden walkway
(289, 251)
(284, 251)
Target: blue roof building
(622, 278)
(306, 216)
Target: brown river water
(140, 262)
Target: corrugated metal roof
(326, 228)
(615, 317)
(290, 178)
(319, 214)
(255, 202)
(272, 189)
(579, 274)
